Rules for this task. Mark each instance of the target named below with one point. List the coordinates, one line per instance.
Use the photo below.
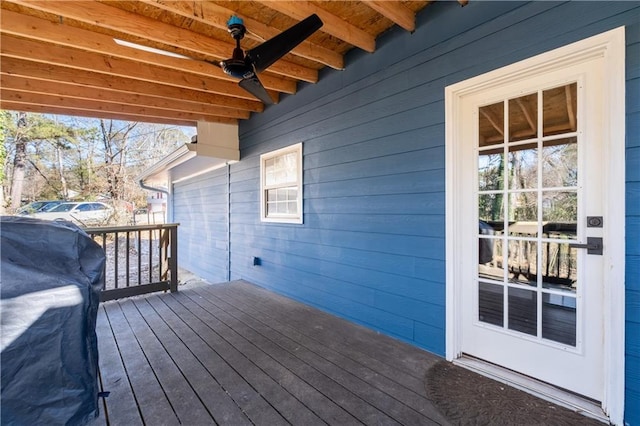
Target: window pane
(491, 303)
(523, 311)
(523, 117)
(560, 163)
(559, 112)
(491, 124)
(559, 318)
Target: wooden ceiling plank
(92, 105)
(131, 24)
(396, 12)
(33, 28)
(48, 109)
(26, 68)
(74, 58)
(333, 24)
(104, 95)
(215, 15)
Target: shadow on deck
(237, 354)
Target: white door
(532, 148)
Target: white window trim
(297, 219)
(611, 45)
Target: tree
(81, 158)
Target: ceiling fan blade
(254, 86)
(265, 54)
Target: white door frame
(611, 46)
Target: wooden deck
(236, 354)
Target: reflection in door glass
(491, 211)
(491, 303)
(523, 117)
(559, 266)
(523, 213)
(491, 124)
(560, 163)
(490, 170)
(523, 311)
(523, 167)
(490, 259)
(522, 262)
(559, 318)
(560, 206)
(560, 109)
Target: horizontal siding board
(402, 245)
(632, 306)
(429, 337)
(400, 183)
(633, 138)
(633, 198)
(633, 242)
(633, 173)
(632, 266)
(633, 100)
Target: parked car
(84, 213)
(38, 206)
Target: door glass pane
(490, 170)
(559, 266)
(491, 124)
(559, 111)
(560, 163)
(523, 306)
(523, 213)
(523, 166)
(491, 211)
(491, 303)
(523, 117)
(560, 206)
(559, 318)
(522, 262)
(490, 259)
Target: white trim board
(611, 46)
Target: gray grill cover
(50, 280)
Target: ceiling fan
(246, 65)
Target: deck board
(234, 354)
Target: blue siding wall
(201, 207)
(632, 402)
(372, 247)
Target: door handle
(593, 246)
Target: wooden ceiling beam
(112, 96)
(46, 109)
(17, 97)
(78, 59)
(396, 12)
(141, 27)
(13, 23)
(25, 68)
(333, 25)
(217, 16)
